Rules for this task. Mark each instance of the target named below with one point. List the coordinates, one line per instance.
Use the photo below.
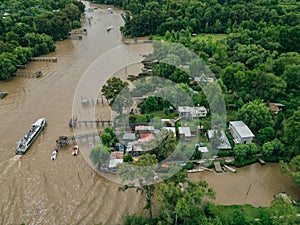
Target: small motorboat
(3, 94)
(108, 28)
(91, 145)
(54, 154)
(75, 150)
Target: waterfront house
(240, 132)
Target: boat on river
(53, 155)
(30, 136)
(75, 150)
(230, 169)
(108, 28)
(3, 94)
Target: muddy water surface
(36, 190)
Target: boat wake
(13, 159)
(10, 163)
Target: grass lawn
(162, 115)
(205, 37)
(250, 210)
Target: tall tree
(99, 155)
(295, 168)
(256, 115)
(183, 205)
(292, 133)
(112, 88)
(140, 176)
(283, 212)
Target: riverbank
(253, 184)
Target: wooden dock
(136, 41)
(64, 141)
(44, 59)
(93, 101)
(73, 123)
(37, 74)
(218, 167)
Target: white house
(192, 112)
(240, 132)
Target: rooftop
(241, 128)
(138, 128)
(225, 144)
(185, 130)
(128, 136)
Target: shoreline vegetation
(253, 50)
(30, 28)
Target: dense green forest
(30, 27)
(256, 62)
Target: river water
(37, 190)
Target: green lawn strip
(250, 211)
(205, 37)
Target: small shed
(184, 132)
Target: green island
(253, 49)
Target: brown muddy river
(37, 190)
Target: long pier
(64, 141)
(73, 123)
(44, 59)
(37, 74)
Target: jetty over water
(36, 74)
(136, 41)
(44, 59)
(73, 123)
(93, 101)
(218, 167)
(64, 141)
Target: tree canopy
(29, 28)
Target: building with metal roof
(240, 132)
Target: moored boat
(230, 169)
(30, 136)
